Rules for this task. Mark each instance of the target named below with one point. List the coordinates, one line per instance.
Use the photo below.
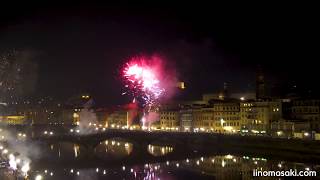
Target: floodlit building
(169, 120)
(203, 119)
(307, 110)
(256, 116)
(186, 119)
(13, 120)
(227, 115)
(118, 119)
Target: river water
(67, 161)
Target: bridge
(183, 142)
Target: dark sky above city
(80, 47)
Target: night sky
(80, 47)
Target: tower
(225, 90)
(260, 85)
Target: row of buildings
(222, 115)
(223, 112)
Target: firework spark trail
(143, 80)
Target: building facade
(307, 110)
(227, 116)
(170, 120)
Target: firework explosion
(143, 80)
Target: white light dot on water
(123, 168)
(5, 151)
(78, 173)
(18, 161)
(46, 171)
(104, 171)
(131, 170)
(51, 174)
(71, 171)
(38, 177)
(97, 170)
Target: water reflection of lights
(76, 149)
(18, 161)
(5, 151)
(228, 162)
(155, 171)
(223, 163)
(114, 147)
(159, 150)
(38, 177)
